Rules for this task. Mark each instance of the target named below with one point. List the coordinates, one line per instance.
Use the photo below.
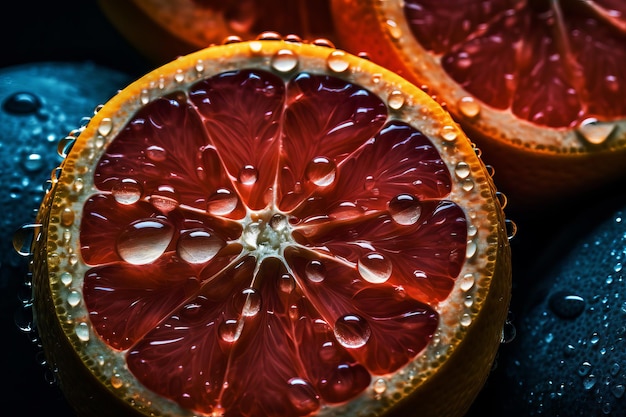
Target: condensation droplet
(466, 320)
(229, 330)
(374, 267)
(352, 331)
(65, 146)
(32, 162)
(156, 153)
(82, 332)
(25, 237)
(589, 381)
(302, 396)
(618, 390)
(471, 249)
(584, 368)
(469, 107)
(278, 222)
(462, 170)
(566, 305)
(164, 198)
(393, 29)
(73, 298)
(595, 132)
(22, 103)
(285, 60)
(467, 282)
(144, 241)
(396, 100)
(66, 279)
(287, 284)
(321, 171)
(250, 302)
(248, 175)
(448, 133)
(337, 61)
(179, 76)
(144, 97)
(255, 46)
(405, 209)
(116, 381)
(315, 271)
(67, 217)
(198, 246)
(127, 191)
(379, 386)
(105, 127)
(222, 202)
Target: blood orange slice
(271, 228)
(164, 29)
(536, 84)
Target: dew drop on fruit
(566, 305)
(164, 198)
(396, 100)
(198, 246)
(248, 175)
(462, 170)
(67, 217)
(393, 29)
(144, 241)
(25, 237)
(73, 298)
(116, 381)
(82, 332)
(144, 97)
(321, 171)
(249, 302)
(467, 282)
(22, 103)
(448, 133)
(222, 202)
(66, 279)
(65, 146)
(594, 132)
(127, 191)
(466, 320)
(352, 331)
(374, 268)
(469, 107)
(315, 271)
(179, 76)
(337, 61)
(286, 283)
(156, 153)
(284, 60)
(302, 396)
(105, 126)
(405, 209)
(229, 330)
(379, 386)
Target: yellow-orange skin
(450, 387)
(533, 169)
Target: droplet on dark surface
(566, 305)
(21, 103)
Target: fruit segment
(268, 245)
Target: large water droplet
(595, 132)
(105, 127)
(82, 331)
(198, 246)
(321, 171)
(229, 330)
(286, 283)
(164, 198)
(315, 271)
(396, 100)
(462, 170)
(566, 305)
(25, 237)
(449, 133)
(222, 202)
(405, 209)
(21, 103)
(127, 191)
(469, 107)
(248, 175)
(302, 396)
(249, 302)
(156, 153)
(284, 60)
(352, 331)
(32, 162)
(144, 241)
(374, 268)
(337, 61)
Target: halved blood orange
(271, 228)
(165, 29)
(538, 85)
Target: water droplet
(287, 284)
(321, 171)
(566, 305)
(179, 76)
(164, 198)
(22, 103)
(144, 97)
(255, 46)
(302, 396)
(284, 60)
(105, 127)
(67, 217)
(396, 100)
(229, 330)
(248, 175)
(73, 298)
(66, 279)
(315, 271)
(156, 153)
(337, 61)
(584, 368)
(594, 132)
(198, 246)
(393, 29)
(32, 162)
(144, 241)
(126, 191)
(618, 267)
(116, 381)
(448, 133)
(374, 268)
(594, 339)
(278, 222)
(467, 184)
(467, 282)
(471, 249)
(65, 146)
(618, 390)
(82, 332)
(222, 202)
(589, 381)
(462, 170)
(511, 228)
(405, 209)
(379, 386)
(25, 237)
(469, 107)
(249, 302)
(352, 331)
(508, 332)
(466, 320)
(615, 369)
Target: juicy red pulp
(282, 243)
(552, 63)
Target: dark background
(77, 31)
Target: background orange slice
(537, 85)
(281, 229)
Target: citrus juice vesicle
(271, 228)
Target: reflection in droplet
(21, 103)
(352, 331)
(32, 162)
(105, 126)
(127, 191)
(337, 61)
(82, 332)
(284, 60)
(462, 170)
(249, 301)
(248, 175)
(449, 133)
(566, 305)
(469, 107)
(156, 153)
(198, 246)
(374, 268)
(315, 271)
(396, 100)
(405, 209)
(164, 198)
(229, 330)
(25, 237)
(144, 241)
(222, 202)
(321, 171)
(287, 284)
(302, 396)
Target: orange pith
(537, 85)
(270, 198)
